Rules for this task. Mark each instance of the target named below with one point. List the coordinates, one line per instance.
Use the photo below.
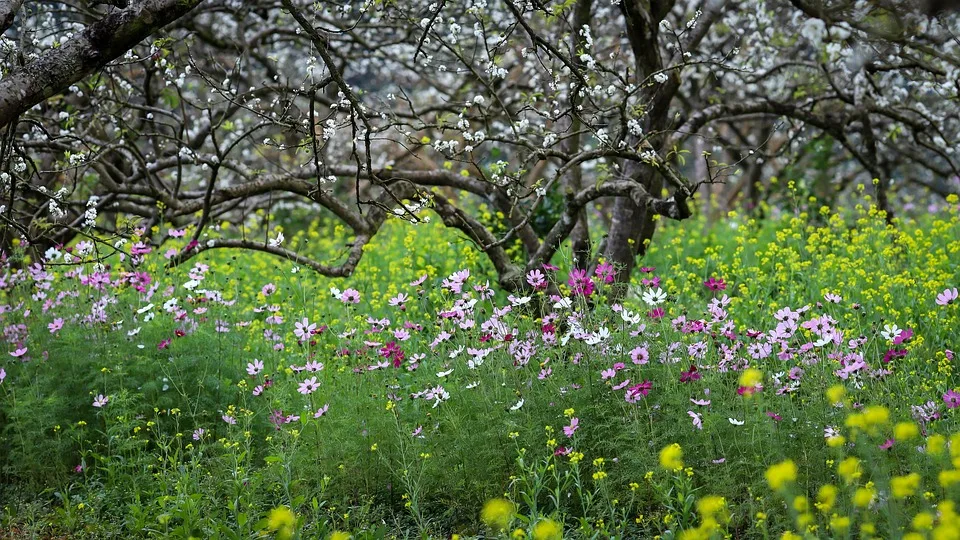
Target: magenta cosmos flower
(952, 399)
(715, 284)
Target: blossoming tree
(573, 119)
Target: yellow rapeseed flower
(826, 497)
(497, 513)
(839, 523)
(922, 521)
(836, 393)
(711, 505)
(671, 457)
(781, 474)
(751, 377)
(936, 444)
(339, 535)
(864, 496)
(904, 431)
(836, 441)
(547, 529)
(876, 415)
(949, 478)
(849, 469)
(282, 520)
(905, 486)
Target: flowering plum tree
(573, 119)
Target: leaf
(170, 98)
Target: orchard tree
(574, 120)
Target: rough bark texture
(94, 47)
(8, 11)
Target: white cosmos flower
(630, 317)
(736, 422)
(654, 297)
(890, 332)
(515, 301)
(563, 303)
(598, 337)
(275, 242)
(443, 374)
(517, 406)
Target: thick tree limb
(8, 11)
(93, 48)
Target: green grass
(359, 467)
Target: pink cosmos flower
(640, 355)
(229, 419)
(19, 352)
(308, 386)
(536, 279)
(164, 343)
(56, 325)
(3, 375)
(303, 328)
(350, 296)
(100, 400)
(322, 411)
(947, 297)
(696, 418)
(254, 367)
(198, 433)
(268, 289)
(572, 428)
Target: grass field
(787, 377)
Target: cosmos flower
(308, 386)
(947, 297)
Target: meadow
(791, 377)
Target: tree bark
(92, 49)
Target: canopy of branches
(574, 119)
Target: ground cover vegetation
(366, 268)
(790, 376)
